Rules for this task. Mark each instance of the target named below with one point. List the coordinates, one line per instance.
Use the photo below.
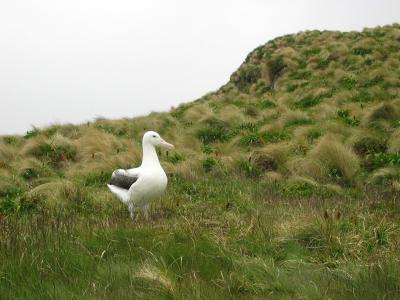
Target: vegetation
(284, 184)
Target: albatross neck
(150, 158)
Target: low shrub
(245, 76)
(209, 163)
(252, 139)
(378, 160)
(214, 131)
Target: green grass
(344, 116)
(218, 239)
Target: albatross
(138, 187)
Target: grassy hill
(288, 174)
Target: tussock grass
(31, 168)
(283, 184)
(329, 160)
(385, 175)
(7, 154)
(272, 157)
(394, 143)
(59, 194)
(155, 278)
(304, 166)
(198, 113)
(94, 144)
(366, 142)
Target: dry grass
(58, 194)
(8, 154)
(271, 157)
(328, 160)
(385, 176)
(384, 111)
(394, 142)
(156, 278)
(305, 166)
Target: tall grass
(206, 239)
(284, 184)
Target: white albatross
(137, 187)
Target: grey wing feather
(122, 180)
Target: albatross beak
(166, 145)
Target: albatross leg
(131, 209)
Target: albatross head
(153, 138)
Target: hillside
(290, 168)
(316, 107)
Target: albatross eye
(154, 136)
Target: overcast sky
(74, 60)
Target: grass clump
(209, 163)
(300, 186)
(249, 169)
(384, 111)
(370, 144)
(385, 175)
(339, 161)
(31, 168)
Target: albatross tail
(122, 194)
